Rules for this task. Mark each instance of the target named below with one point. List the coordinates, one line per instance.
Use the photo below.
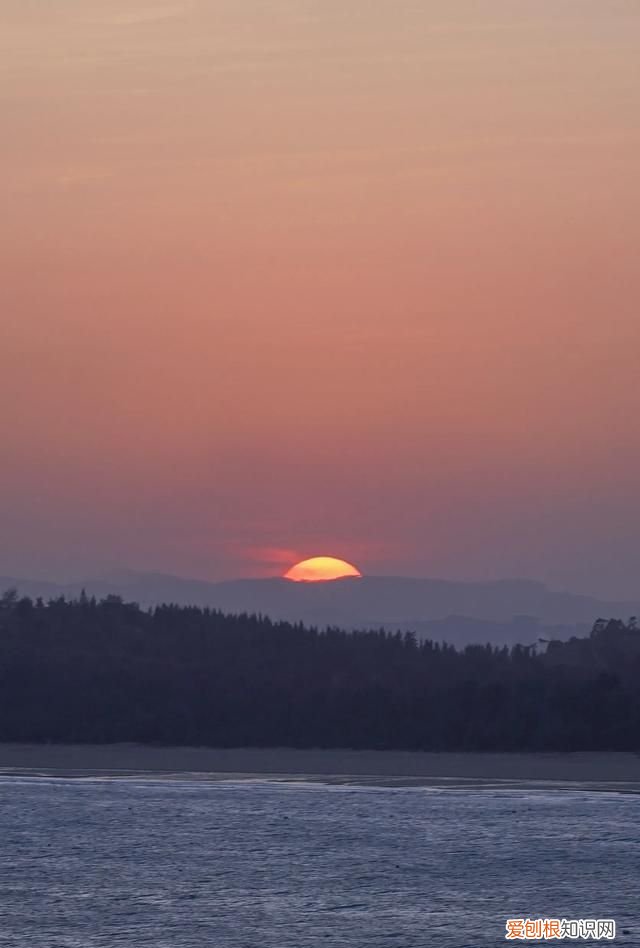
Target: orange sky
(282, 278)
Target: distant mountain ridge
(504, 611)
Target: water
(189, 863)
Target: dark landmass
(106, 672)
(586, 771)
(507, 612)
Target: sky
(283, 278)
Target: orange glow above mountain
(320, 569)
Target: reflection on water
(186, 863)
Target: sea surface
(194, 863)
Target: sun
(320, 569)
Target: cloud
(143, 15)
(272, 555)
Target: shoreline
(606, 771)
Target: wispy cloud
(143, 15)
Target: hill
(507, 611)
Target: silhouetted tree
(109, 671)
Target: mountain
(506, 611)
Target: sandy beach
(592, 771)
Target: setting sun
(321, 568)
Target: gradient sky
(290, 277)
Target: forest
(109, 671)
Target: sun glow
(320, 569)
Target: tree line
(109, 671)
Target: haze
(289, 278)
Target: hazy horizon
(129, 582)
(286, 279)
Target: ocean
(194, 863)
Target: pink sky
(287, 278)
